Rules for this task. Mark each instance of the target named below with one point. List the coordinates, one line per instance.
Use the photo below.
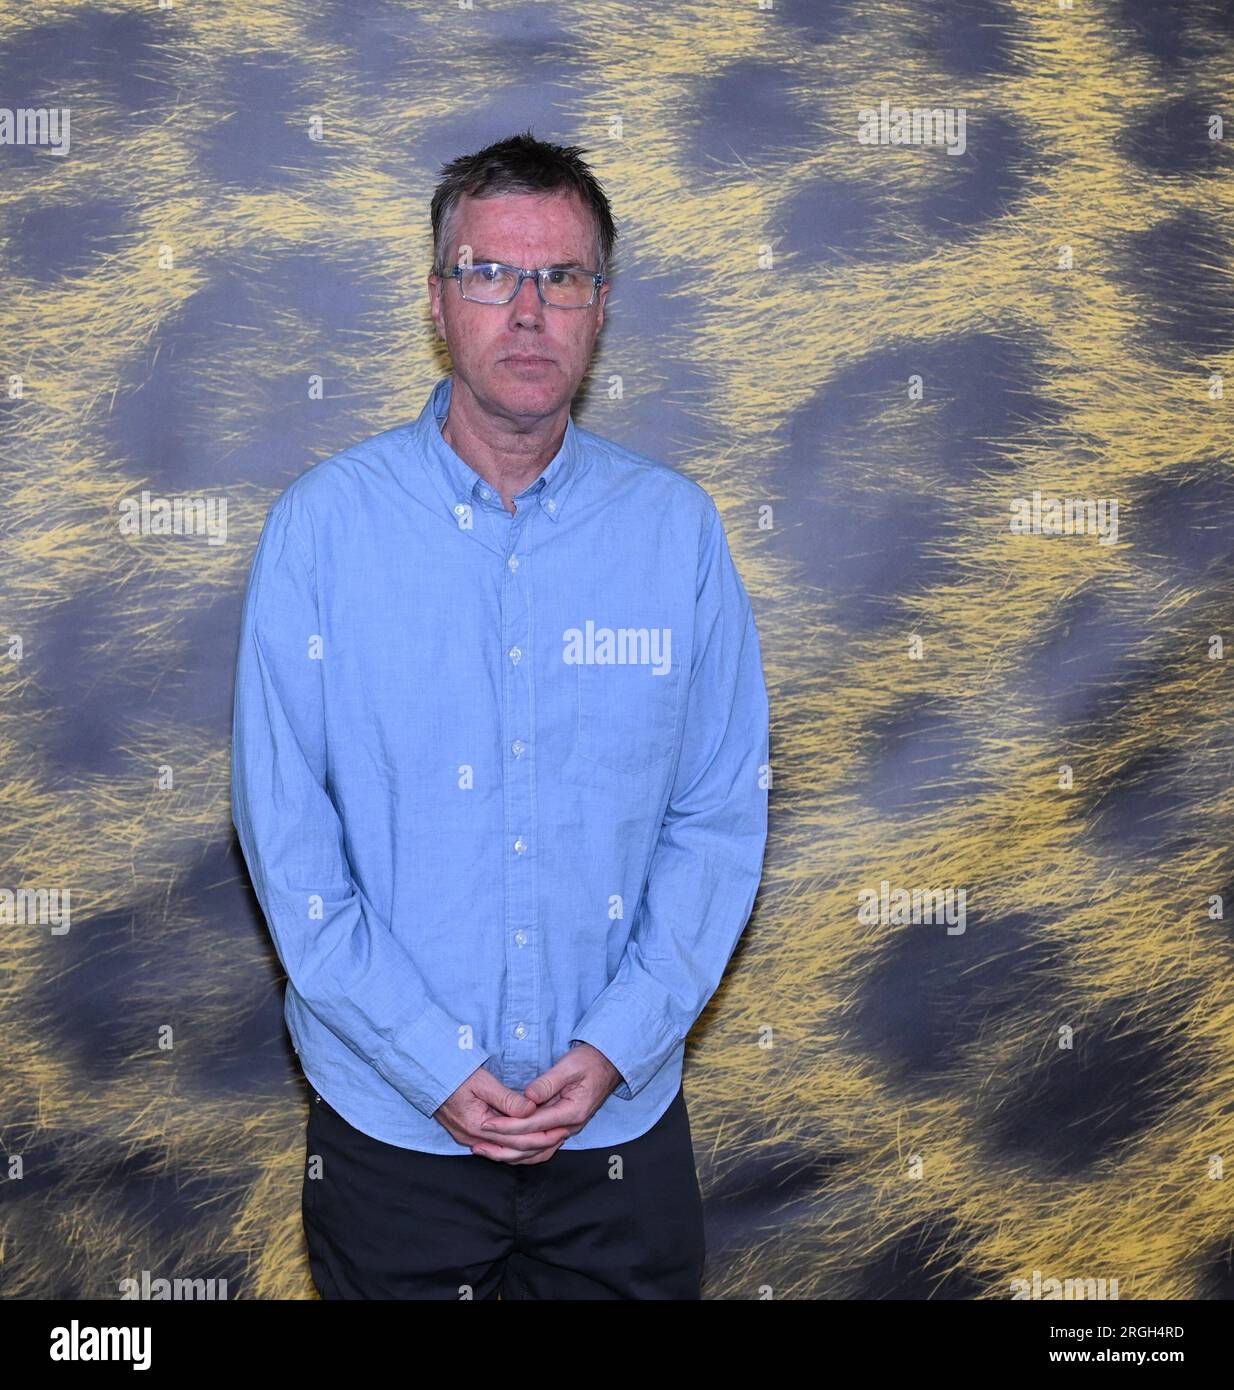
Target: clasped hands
(529, 1126)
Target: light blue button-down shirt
(500, 780)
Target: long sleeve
(344, 962)
(707, 863)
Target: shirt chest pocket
(627, 715)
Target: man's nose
(526, 303)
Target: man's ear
(435, 301)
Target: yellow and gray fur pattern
(871, 351)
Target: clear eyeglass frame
(597, 279)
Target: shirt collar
(461, 486)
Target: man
(499, 774)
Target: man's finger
(542, 1157)
(519, 1150)
(502, 1098)
(546, 1086)
(525, 1140)
(545, 1157)
(561, 1112)
(525, 1160)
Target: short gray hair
(519, 164)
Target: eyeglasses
(490, 282)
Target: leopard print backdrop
(936, 301)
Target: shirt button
(520, 1030)
(515, 655)
(518, 747)
(520, 845)
(551, 505)
(513, 562)
(484, 492)
(460, 508)
(520, 938)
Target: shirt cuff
(634, 1037)
(427, 1062)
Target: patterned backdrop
(936, 301)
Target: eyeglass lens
(495, 284)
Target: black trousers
(624, 1221)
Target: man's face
(530, 230)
